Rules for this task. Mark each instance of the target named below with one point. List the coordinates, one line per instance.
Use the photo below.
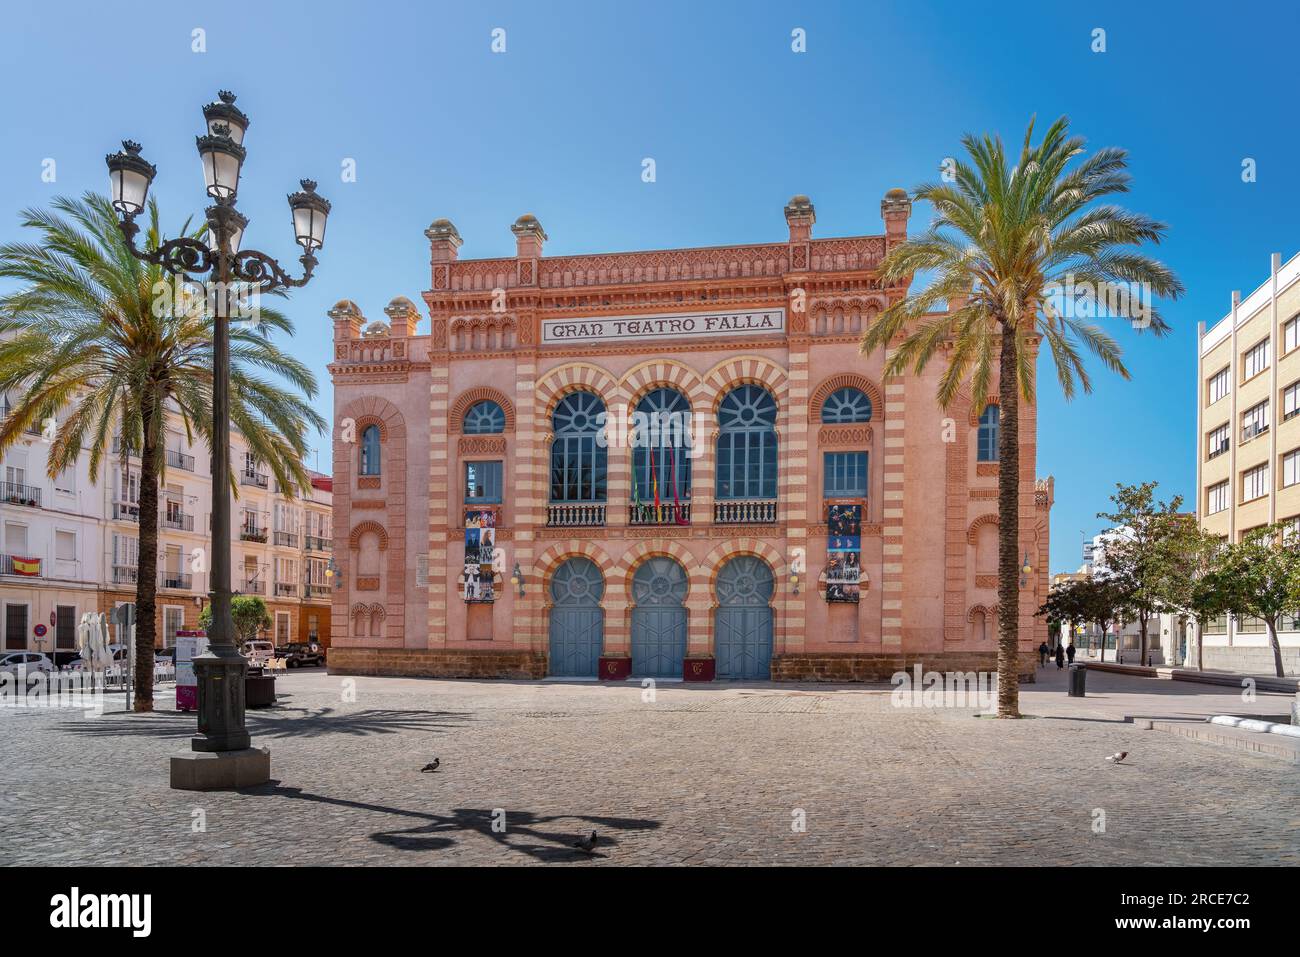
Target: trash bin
(1078, 677)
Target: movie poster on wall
(480, 547)
(844, 552)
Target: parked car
(21, 663)
(259, 652)
(297, 654)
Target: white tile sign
(690, 325)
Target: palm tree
(104, 339)
(1024, 254)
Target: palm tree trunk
(1277, 648)
(1008, 530)
(146, 585)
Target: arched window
(484, 418)
(987, 445)
(747, 444)
(578, 461)
(661, 463)
(370, 450)
(846, 405)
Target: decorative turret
(800, 216)
(348, 320)
(895, 209)
(444, 240)
(403, 317)
(529, 237)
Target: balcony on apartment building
(124, 574)
(176, 519)
(27, 567)
(286, 589)
(126, 512)
(313, 589)
(254, 478)
(252, 586)
(315, 543)
(6, 410)
(177, 459)
(252, 532)
(16, 493)
(288, 539)
(182, 581)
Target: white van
(259, 653)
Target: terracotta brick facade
(497, 334)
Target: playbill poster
(844, 551)
(480, 546)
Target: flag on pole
(654, 480)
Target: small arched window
(746, 460)
(484, 418)
(846, 405)
(986, 448)
(370, 450)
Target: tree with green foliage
(1261, 576)
(249, 614)
(1010, 235)
(1099, 599)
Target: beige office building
(1248, 434)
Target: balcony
(252, 533)
(177, 520)
(179, 460)
(286, 589)
(7, 566)
(317, 544)
(124, 574)
(126, 512)
(178, 580)
(15, 493)
(288, 539)
(317, 590)
(665, 514)
(742, 511)
(255, 479)
(564, 515)
(251, 586)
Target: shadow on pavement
(279, 724)
(527, 833)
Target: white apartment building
(71, 545)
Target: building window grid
(747, 445)
(1217, 441)
(1254, 483)
(579, 465)
(1290, 400)
(484, 418)
(483, 482)
(662, 453)
(1290, 468)
(1254, 421)
(987, 438)
(1290, 334)
(1216, 499)
(1218, 385)
(1255, 359)
(844, 474)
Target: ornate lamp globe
(129, 176)
(224, 111)
(222, 160)
(310, 212)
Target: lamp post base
(221, 770)
(221, 702)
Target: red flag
(679, 516)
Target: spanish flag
(26, 566)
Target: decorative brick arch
(988, 611)
(846, 380)
(977, 409)
(559, 553)
(573, 377)
(365, 421)
(661, 373)
(354, 537)
(747, 370)
(972, 532)
(388, 522)
(630, 560)
(482, 393)
(727, 550)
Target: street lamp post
(220, 671)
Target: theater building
(672, 464)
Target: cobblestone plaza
(701, 775)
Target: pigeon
(1117, 757)
(433, 765)
(586, 844)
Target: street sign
(40, 631)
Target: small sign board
(189, 645)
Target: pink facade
(523, 333)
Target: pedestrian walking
(1042, 654)
(1069, 652)
(1060, 658)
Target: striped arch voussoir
(727, 550)
(846, 380)
(354, 538)
(746, 370)
(574, 377)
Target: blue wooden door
(743, 620)
(659, 619)
(577, 620)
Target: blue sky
(558, 125)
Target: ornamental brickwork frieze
(844, 435)
(481, 445)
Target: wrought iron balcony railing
(289, 589)
(252, 533)
(743, 511)
(179, 580)
(16, 493)
(126, 512)
(177, 520)
(565, 514)
(253, 587)
(287, 538)
(124, 574)
(179, 460)
(255, 479)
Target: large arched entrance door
(742, 624)
(658, 619)
(577, 620)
